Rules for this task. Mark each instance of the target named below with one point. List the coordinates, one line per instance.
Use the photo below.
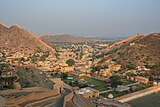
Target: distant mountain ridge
(15, 38)
(66, 38)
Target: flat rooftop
(85, 90)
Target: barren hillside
(139, 50)
(18, 39)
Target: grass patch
(98, 84)
(141, 86)
(114, 93)
(127, 83)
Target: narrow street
(59, 101)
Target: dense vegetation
(70, 62)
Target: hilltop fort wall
(138, 94)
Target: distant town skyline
(95, 18)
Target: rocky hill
(66, 38)
(138, 50)
(31, 77)
(15, 38)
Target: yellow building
(142, 80)
(46, 68)
(67, 68)
(79, 74)
(106, 72)
(114, 67)
(89, 63)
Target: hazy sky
(100, 18)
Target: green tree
(95, 68)
(57, 55)
(151, 78)
(74, 84)
(131, 66)
(64, 75)
(1, 69)
(70, 62)
(21, 59)
(115, 80)
(130, 74)
(34, 58)
(83, 85)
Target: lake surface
(152, 100)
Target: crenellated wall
(35, 96)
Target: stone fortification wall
(35, 96)
(138, 94)
(67, 98)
